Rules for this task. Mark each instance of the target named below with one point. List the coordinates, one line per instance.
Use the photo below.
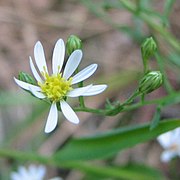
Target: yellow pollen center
(55, 87)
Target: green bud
(148, 48)
(150, 82)
(26, 78)
(72, 44)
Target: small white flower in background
(170, 141)
(31, 173)
(56, 178)
(58, 85)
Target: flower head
(150, 82)
(31, 173)
(170, 141)
(58, 85)
(72, 44)
(148, 48)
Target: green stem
(131, 98)
(142, 98)
(81, 98)
(91, 110)
(145, 61)
(111, 112)
(167, 84)
(165, 101)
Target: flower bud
(148, 48)
(150, 82)
(26, 78)
(72, 44)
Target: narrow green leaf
(109, 143)
(141, 172)
(156, 118)
(128, 172)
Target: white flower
(57, 86)
(31, 173)
(170, 141)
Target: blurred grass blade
(109, 143)
(174, 58)
(128, 172)
(156, 118)
(21, 127)
(14, 99)
(168, 7)
(174, 98)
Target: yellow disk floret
(55, 87)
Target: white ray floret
(34, 71)
(52, 118)
(94, 90)
(84, 74)
(37, 94)
(57, 86)
(170, 141)
(40, 57)
(68, 112)
(72, 63)
(58, 56)
(27, 86)
(78, 91)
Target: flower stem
(142, 98)
(131, 98)
(167, 84)
(81, 98)
(127, 106)
(117, 109)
